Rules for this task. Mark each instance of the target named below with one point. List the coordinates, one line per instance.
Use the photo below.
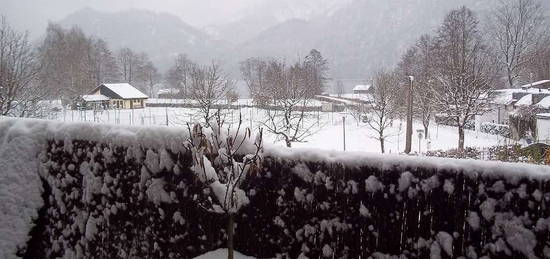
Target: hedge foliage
(105, 201)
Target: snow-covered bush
(468, 152)
(506, 153)
(316, 209)
(496, 129)
(122, 192)
(215, 164)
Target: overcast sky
(33, 15)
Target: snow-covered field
(327, 134)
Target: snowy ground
(328, 132)
(222, 253)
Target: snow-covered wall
(128, 191)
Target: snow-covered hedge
(496, 129)
(468, 152)
(121, 192)
(535, 154)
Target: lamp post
(344, 130)
(409, 130)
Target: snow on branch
(215, 156)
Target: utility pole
(408, 133)
(344, 130)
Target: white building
(543, 127)
(120, 96)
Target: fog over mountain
(357, 36)
(161, 35)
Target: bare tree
(178, 75)
(128, 62)
(287, 112)
(104, 63)
(54, 69)
(516, 27)
(253, 72)
(78, 56)
(65, 57)
(19, 92)
(208, 86)
(424, 80)
(465, 70)
(418, 62)
(149, 76)
(383, 105)
(72, 63)
(539, 66)
(339, 88)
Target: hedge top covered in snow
(151, 137)
(173, 138)
(513, 171)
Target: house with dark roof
(362, 89)
(120, 96)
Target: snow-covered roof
(503, 97)
(534, 84)
(126, 91)
(361, 88)
(544, 103)
(526, 100)
(359, 96)
(95, 98)
(168, 91)
(506, 96)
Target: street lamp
(409, 131)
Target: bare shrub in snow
(217, 162)
(208, 86)
(290, 97)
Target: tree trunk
(426, 127)
(510, 79)
(230, 234)
(382, 145)
(460, 138)
(288, 143)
